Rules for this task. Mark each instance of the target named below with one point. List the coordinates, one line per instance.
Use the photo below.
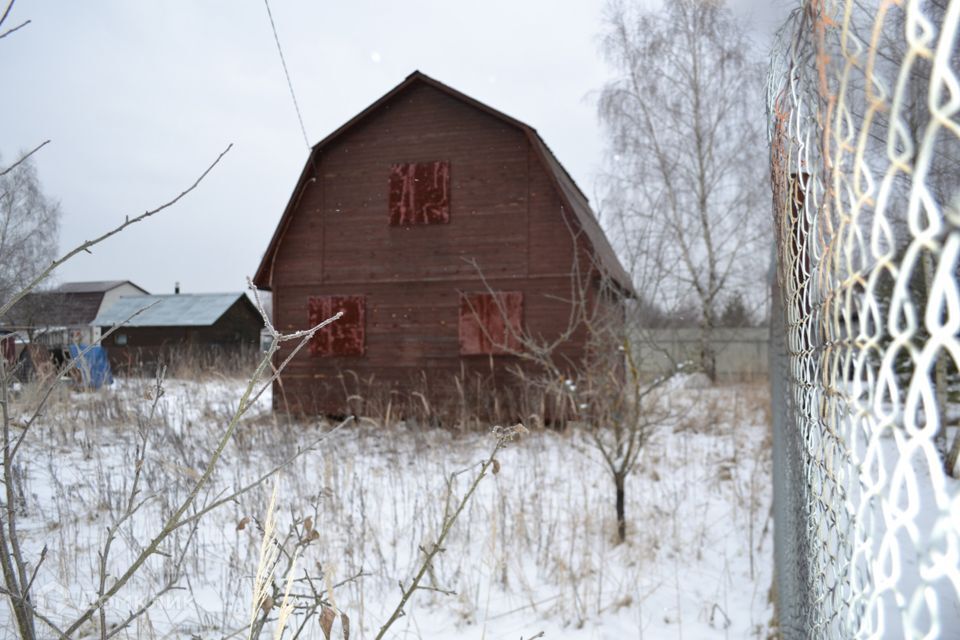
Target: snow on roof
(173, 310)
(95, 286)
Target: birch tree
(687, 152)
(29, 225)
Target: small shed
(208, 327)
(58, 317)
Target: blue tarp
(94, 367)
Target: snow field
(534, 550)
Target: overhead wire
(286, 72)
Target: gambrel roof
(570, 194)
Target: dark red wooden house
(395, 216)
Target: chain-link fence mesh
(863, 102)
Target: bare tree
(614, 392)
(684, 124)
(29, 226)
(620, 402)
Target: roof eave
(263, 278)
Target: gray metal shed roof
(174, 310)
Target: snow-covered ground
(535, 549)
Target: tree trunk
(17, 591)
(19, 602)
(619, 480)
(708, 358)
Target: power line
(286, 72)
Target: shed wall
(238, 329)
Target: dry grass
(538, 540)
(191, 362)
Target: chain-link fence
(863, 102)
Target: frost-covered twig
(266, 593)
(132, 506)
(503, 436)
(175, 520)
(263, 477)
(169, 585)
(17, 579)
(11, 556)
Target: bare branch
(90, 243)
(175, 519)
(26, 156)
(503, 435)
(6, 12)
(16, 28)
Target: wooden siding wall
(504, 214)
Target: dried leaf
(496, 466)
(267, 605)
(313, 535)
(308, 524)
(345, 622)
(327, 616)
(243, 523)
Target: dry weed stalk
(18, 571)
(317, 601)
(269, 554)
(263, 586)
(503, 436)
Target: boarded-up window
(343, 337)
(490, 323)
(420, 193)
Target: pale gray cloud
(139, 97)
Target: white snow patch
(534, 550)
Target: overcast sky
(138, 98)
